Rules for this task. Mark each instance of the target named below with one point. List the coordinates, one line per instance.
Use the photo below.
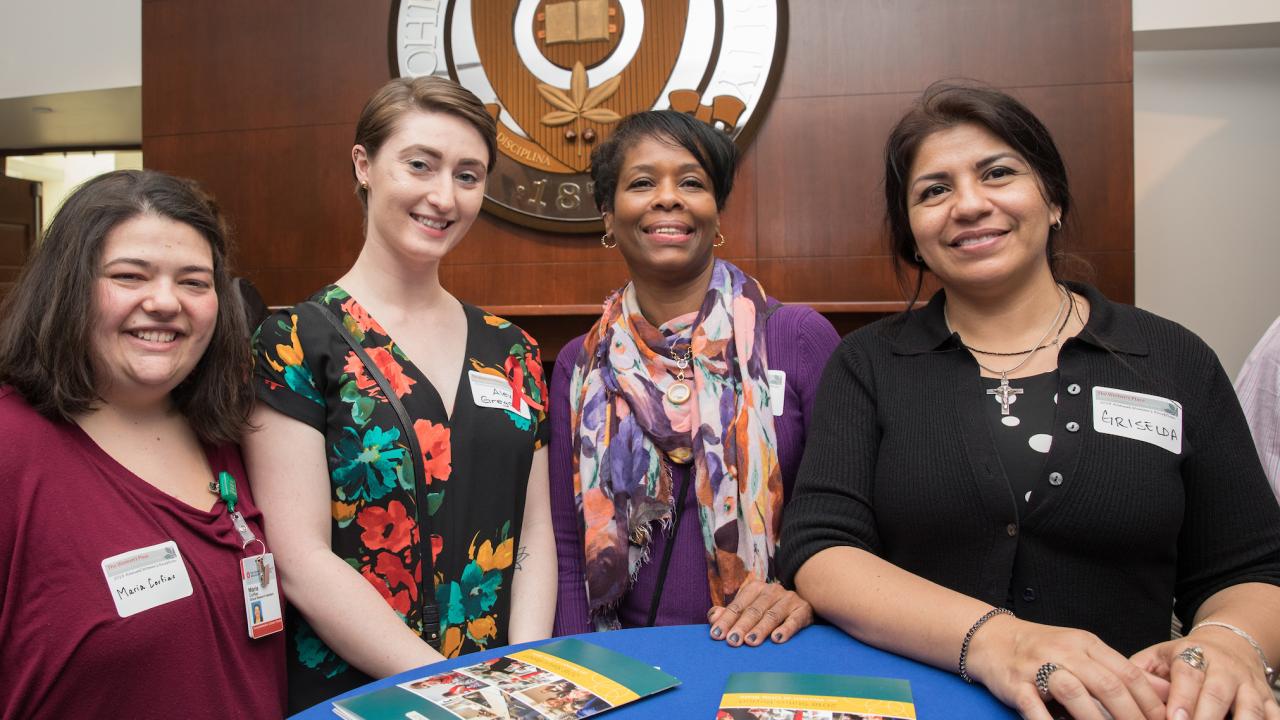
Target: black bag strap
(426, 600)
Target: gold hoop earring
(604, 241)
(364, 186)
(1057, 224)
(719, 239)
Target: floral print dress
(476, 465)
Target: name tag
(261, 595)
(1149, 418)
(492, 391)
(141, 579)
(777, 391)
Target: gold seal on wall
(558, 75)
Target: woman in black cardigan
(1022, 479)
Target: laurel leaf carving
(602, 115)
(602, 92)
(578, 85)
(557, 97)
(557, 118)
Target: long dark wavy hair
(46, 321)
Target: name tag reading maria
(492, 391)
(1149, 418)
(148, 577)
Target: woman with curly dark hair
(127, 523)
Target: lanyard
(225, 488)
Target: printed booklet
(793, 696)
(563, 680)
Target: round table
(703, 665)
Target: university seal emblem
(558, 75)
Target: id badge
(261, 595)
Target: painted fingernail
(777, 637)
(734, 639)
(711, 613)
(716, 633)
(751, 638)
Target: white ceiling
(90, 118)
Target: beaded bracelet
(968, 637)
(1267, 671)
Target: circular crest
(558, 75)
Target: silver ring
(1194, 656)
(1042, 678)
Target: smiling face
(664, 214)
(426, 185)
(154, 308)
(978, 211)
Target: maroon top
(64, 649)
(798, 341)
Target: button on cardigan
(900, 462)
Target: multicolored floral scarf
(626, 434)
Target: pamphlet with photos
(563, 680)
(793, 696)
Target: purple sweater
(799, 341)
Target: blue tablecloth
(703, 665)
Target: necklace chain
(1040, 344)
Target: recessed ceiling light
(41, 109)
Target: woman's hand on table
(758, 612)
(1091, 680)
(1230, 681)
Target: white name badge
(1149, 418)
(261, 595)
(141, 579)
(777, 391)
(492, 391)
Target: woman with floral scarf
(678, 421)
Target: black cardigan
(900, 462)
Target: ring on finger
(1042, 678)
(1194, 656)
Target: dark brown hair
(428, 94)
(711, 147)
(945, 105)
(46, 321)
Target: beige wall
(1206, 156)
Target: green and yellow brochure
(563, 680)
(794, 696)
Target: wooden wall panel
(259, 100)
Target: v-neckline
(433, 395)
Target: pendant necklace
(1006, 392)
(678, 393)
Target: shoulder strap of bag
(426, 600)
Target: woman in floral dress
(354, 513)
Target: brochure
(563, 680)
(793, 696)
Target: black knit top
(901, 462)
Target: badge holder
(261, 594)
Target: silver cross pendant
(1004, 394)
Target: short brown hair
(46, 321)
(429, 94)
